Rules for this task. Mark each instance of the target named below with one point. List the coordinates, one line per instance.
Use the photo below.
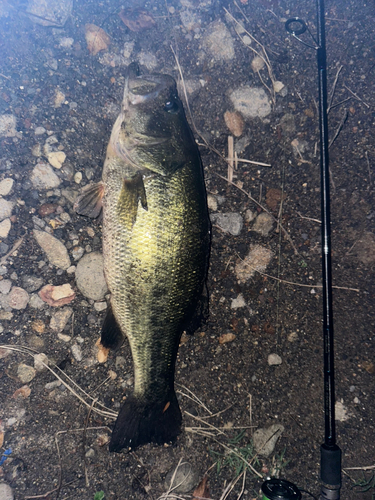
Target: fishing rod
(330, 453)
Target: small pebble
(185, 478)
(6, 492)
(77, 352)
(25, 373)
(274, 359)
(40, 362)
(6, 186)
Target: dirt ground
(58, 445)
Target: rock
(341, 412)
(6, 492)
(5, 227)
(63, 337)
(212, 203)
(6, 208)
(234, 121)
(238, 302)
(6, 186)
(77, 352)
(5, 286)
(226, 337)
(78, 177)
(57, 296)
(31, 283)
(218, 42)
(77, 253)
(18, 298)
(60, 318)
(59, 98)
(25, 373)
(36, 302)
(38, 326)
(43, 177)
(231, 223)
(257, 63)
(265, 439)
(8, 126)
(56, 158)
(40, 131)
(257, 259)
(263, 224)
(40, 360)
(279, 88)
(185, 478)
(100, 306)
(90, 276)
(56, 252)
(251, 102)
(274, 359)
(96, 39)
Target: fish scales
(156, 237)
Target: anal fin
(112, 336)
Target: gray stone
(40, 362)
(6, 186)
(56, 252)
(6, 492)
(231, 223)
(6, 208)
(18, 298)
(31, 283)
(185, 478)
(60, 318)
(263, 224)
(90, 276)
(251, 102)
(25, 373)
(43, 177)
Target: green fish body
(155, 246)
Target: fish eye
(171, 106)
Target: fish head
(153, 133)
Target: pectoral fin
(133, 191)
(89, 202)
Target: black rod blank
(330, 467)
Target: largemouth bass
(155, 246)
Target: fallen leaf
(1, 439)
(96, 39)
(136, 19)
(226, 337)
(23, 391)
(202, 490)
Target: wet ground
(58, 444)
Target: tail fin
(140, 422)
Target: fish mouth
(139, 90)
(144, 88)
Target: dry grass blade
(262, 53)
(105, 413)
(193, 397)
